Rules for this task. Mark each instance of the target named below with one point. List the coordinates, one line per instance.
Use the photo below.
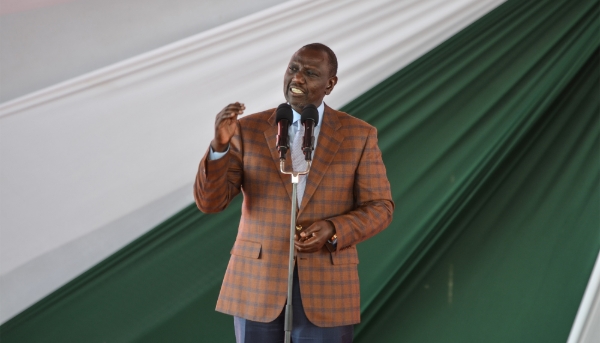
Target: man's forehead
(311, 57)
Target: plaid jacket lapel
(271, 137)
(327, 146)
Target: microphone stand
(288, 307)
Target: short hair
(333, 64)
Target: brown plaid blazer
(347, 185)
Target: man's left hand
(315, 236)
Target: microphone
(284, 118)
(309, 118)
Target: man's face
(307, 79)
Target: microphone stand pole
(288, 307)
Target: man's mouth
(296, 90)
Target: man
(345, 199)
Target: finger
(234, 110)
(305, 249)
(310, 245)
(305, 239)
(309, 249)
(301, 245)
(226, 117)
(307, 232)
(229, 115)
(315, 243)
(308, 236)
(316, 227)
(235, 107)
(300, 240)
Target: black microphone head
(284, 111)
(310, 112)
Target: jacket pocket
(246, 249)
(345, 256)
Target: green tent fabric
(491, 143)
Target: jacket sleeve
(219, 181)
(373, 199)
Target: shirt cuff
(216, 155)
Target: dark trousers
(303, 331)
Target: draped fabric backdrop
(491, 143)
(111, 154)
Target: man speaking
(344, 200)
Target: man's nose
(298, 77)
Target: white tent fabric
(92, 163)
(586, 327)
(44, 42)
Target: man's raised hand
(225, 125)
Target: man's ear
(330, 84)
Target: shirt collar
(321, 109)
